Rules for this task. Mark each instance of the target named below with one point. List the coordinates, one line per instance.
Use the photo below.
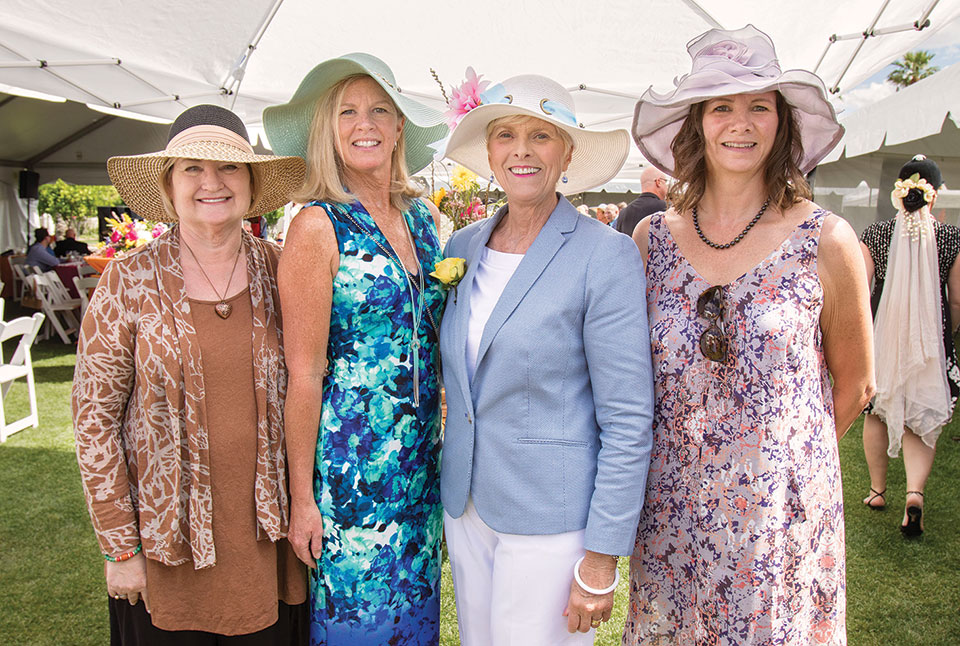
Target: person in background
(654, 184)
(40, 254)
(604, 214)
(763, 356)
(912, 261)
(361, 313)
(546, 362)
(71, 244)
(178, 401)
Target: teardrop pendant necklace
(222, 308)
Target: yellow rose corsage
(450, 271)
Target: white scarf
(912, 389)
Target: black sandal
(876, 494)
(914, 515)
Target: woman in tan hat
(178, 400)
(361, 315)
(762, 353)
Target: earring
(564, 178)
(492, 180)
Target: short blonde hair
(324, 181)
(163, 179)
(513, 120)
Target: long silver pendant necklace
(417, 306)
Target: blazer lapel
(541, 252)
(464, 288)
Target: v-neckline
(386, 241)
(762, 263)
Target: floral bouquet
(127, 234)
(463, 204)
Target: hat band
(209, 134)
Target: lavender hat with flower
(739, 61)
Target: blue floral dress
(377, 465)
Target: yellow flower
(450, 271)
(462, 179)
(437, 196)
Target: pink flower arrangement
(127, 235)
(465, 98)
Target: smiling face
(527, 156)
(368, 127)
(209, 193)
(739, 132)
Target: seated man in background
(40, 254)
(70, 243)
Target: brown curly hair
(785, 183)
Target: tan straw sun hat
(209, 133)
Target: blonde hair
(513, 120)
(324, 181)
(163, 179)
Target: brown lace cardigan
(138, 407)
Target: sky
(945, 45)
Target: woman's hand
(584, 610)
(306, 532)
(128, 579)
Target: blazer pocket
(550, 442)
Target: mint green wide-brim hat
(288, 125)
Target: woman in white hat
(178, 400)
(546, 363)
(912, 261)
(762, 351)
(360, 326)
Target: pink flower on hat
(465, 98)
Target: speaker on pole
(29, 185)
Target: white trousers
(511, 590)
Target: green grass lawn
(51, 574)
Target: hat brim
(288, 125)
(137, 177)
(658, 118)
(597, 155)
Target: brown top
(239, 594)
(138, 406)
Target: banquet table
(66, 271)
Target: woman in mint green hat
(360, 329)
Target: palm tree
(911, 68)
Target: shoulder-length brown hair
(324, 180)
(785, 183)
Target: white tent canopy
(855, 180)
(158, 58)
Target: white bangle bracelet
(587, 588)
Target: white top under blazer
(493, 273)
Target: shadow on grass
(52, 374)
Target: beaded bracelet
(124, 557)
(587, 588)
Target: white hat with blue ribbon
(597, 155)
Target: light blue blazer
(554, 432)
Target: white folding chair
(20, 273)
(86, 270)
(56, 303)
(20, 365)
(84, 285)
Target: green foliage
(273, 216)
(74, 203)
(913, 67)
